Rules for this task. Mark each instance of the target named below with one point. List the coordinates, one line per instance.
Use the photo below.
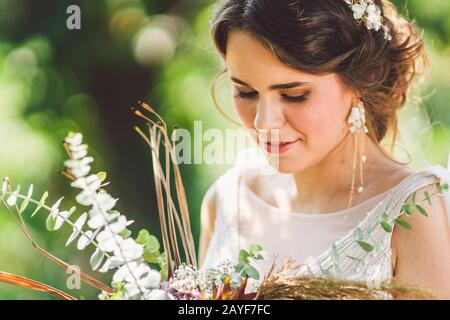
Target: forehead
(248, 59)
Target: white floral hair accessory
(369, 13)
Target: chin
(287, 165)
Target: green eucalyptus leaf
(386, 226)
(251, 272)
(41, 203)
(402, 223)
(421, 210)
(407, 208)
(96, 259)
(427, 197)
(243, 256)
(50, 222)
(366, 246)
(255, 249)
(240, 266)
(24, 205)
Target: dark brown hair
(321, 37)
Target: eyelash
(251, 95)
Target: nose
(269, 116)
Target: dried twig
(34, 285)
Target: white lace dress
(350, 244)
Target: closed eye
(253, 94)
(246, 95)
(299, 98)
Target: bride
(328, 77)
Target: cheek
(246, 112)
(319, 120)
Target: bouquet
(141, 267)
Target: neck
(326, 186)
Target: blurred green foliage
(54, 80)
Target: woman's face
(273, 100)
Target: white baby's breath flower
(374, 17)
(359, 9)
(367, 12)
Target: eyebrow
(289, 85)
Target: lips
(280, 142)
(278, 147)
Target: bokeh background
(54, 80)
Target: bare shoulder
(421, 254)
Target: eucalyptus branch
(134, 278)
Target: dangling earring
(357, 121)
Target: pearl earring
(357, 121)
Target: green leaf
(96, 259)
(164, 269)
(151, 256)
(151, 246)
(251, 272)
(148, 240)
(414, 197)
(407, 208)
(444, 187)
(384, 216)
(243, 256)
(366, 246)
(101, 176)
(41, 203)
(402, 223)
(386, 226)
(240, 267)
(422, 210)
(255, 249)
(50, 222)
(24, 205)
(427, 197)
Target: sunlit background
(53, 80)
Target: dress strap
(405, 189)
